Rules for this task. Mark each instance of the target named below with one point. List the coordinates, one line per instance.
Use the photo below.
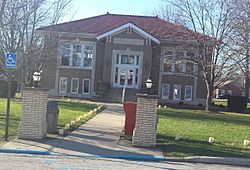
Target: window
(189, 68)
(223, 92)
(177, 92)
(88, 55)
(86, 86)
(137, 60)
(77, 55)
(127, 59)
(165, 91)
(117, 59)
(167, 66)
(136, 76)
(65, 54)
(77, 58)
(188, 93)
(74, 85)
(178, 67)
(116, 74)
(63, 85)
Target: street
(22, 161)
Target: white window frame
(83, 86)
(82, 54)
(162, 96)
(61, 78)
(176, 85)
(71, 87)
(187, 86)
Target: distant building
(230, 88)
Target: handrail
(123, 93)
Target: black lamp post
(36, 78)
(148, 84)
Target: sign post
(10, 63)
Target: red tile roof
(98, 25)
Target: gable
(125, 27)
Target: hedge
(4, 88)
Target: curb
(25, 151)
(40, 152)
(126, 157)
(194, 159)
(212, 160)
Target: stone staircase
(114, 95)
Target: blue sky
(88, 8)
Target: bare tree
(240, 40)
(169, 13)
(18, 34)
(2, 6)
(210, 25)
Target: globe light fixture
(149, 84)
(36, 78)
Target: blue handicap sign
(10, 60)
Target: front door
(126, 77)
(126, 71)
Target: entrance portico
(126, 68)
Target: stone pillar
(146, 120)
(33, 123)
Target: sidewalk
(97, 137)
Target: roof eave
(122, 27)
(71, 34)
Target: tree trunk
(209, 96)
(247, 84)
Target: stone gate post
(33, 123)
(146, 120)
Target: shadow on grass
(204, 116)
(188, 147)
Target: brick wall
(33, 123)
(146, 120)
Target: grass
(71, 110)
(68, 111)
(15, 116)
(196, 126)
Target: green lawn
(196, 126)
(68, 111)
(15, 110)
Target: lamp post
(148, 84)
(36, 78)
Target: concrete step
(114, 95)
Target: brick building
(96, 57)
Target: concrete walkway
(98, 137)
